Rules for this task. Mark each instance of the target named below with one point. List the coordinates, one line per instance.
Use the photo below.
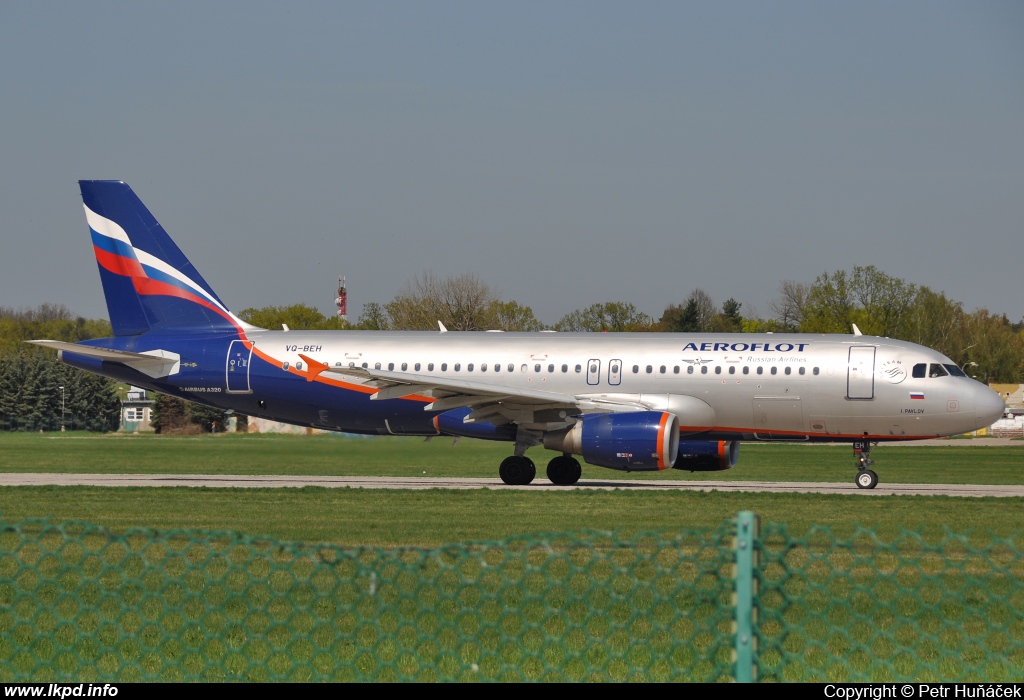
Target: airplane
(627, 401)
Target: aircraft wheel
(866, 479)
(517, 471)
(564, 471)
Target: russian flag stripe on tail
(148, 282)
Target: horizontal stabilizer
(154, 363)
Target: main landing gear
(517, 470)
(564, 471)
(520, 470)
(866, 479)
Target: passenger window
(458, 366)
(775, 370)
(405, 366)
(430, 367)
(565, 368)
(760, 370)
(417, 367)
(364, 365)
(523, 368)
(732, 370)
(746, 370)
(649, 369)
(937, 371)
(483, 366)
(298, 366)
(391, 366)
(444, 366)
(662, 370)
(536, 368)
(636, 369)
(375, 366)
(704, 369)
(789, 370)
(551, 368)
(689, 369)
(511, 367)
(579, 369)
(675, 370)
(469, 367)
(497, 367)
(919, 371)
(284, 366)
(718, 370)
(803, 371)
(815, 371)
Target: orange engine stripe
(662, 465)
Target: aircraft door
(860, 378)
(593, 372)
(239, 355)
(615, 372)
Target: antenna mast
(342, 300)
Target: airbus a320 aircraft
(627, 401)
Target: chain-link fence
(78, 602)
(905, 607)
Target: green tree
(298, 317)
(613, 316)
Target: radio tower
(342, 300)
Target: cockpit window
(919, 371)
(937, 371)
(955, 371)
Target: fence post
(746, 532)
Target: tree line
(39, 393)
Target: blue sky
(566, 152)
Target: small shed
(136, 411)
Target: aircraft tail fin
(147, 281)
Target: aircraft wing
(489, 403)
(155, 363)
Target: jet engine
(706, 455)
(640, 441)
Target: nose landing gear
(866, 478)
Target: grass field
(328, 455)
(429, 518)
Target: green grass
(434, 517)
(328, 455)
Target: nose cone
(988, 406)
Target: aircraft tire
(866, 479)
(564, 471)
(517, 471)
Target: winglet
(856, 331)
(441, 326)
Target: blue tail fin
(147, 280)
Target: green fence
(80, 603)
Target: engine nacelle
(450, 423)
(640, 441)
(707, 456)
